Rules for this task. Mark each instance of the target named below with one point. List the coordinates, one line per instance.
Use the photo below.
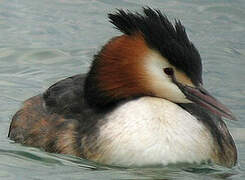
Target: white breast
(152, 131)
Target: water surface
(44, 41)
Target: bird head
(153, 57)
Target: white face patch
(160, 83)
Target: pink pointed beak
(202, 97)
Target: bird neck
(116, 73)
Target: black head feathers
(160, 34)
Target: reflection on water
(44, 41)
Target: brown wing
(59, 120)
(33, 125)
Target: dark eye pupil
(168, 71)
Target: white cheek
(160, 83)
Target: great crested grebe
(141, 103)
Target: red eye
(168, 71)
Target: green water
(43, 41)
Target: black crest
(160, 34)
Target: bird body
(141, 103)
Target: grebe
(141, 103)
